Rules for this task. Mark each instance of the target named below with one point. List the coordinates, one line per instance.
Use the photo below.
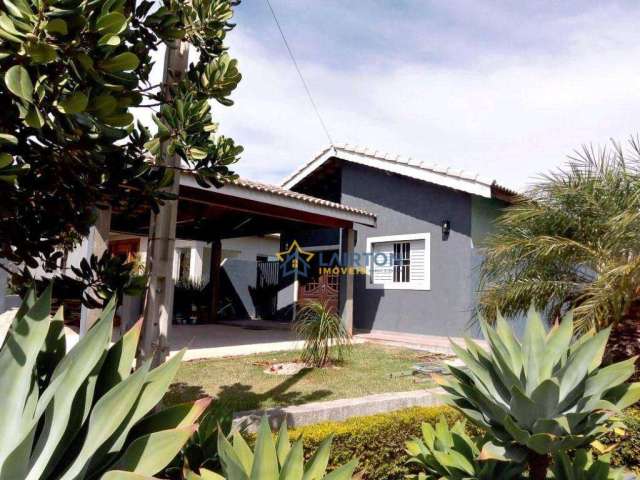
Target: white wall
(238, 260)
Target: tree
(72, 73)
(572, 242)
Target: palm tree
(572, 241)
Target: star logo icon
(294, 259)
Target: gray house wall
(403, 205)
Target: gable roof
(447, 177)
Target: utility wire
(304, 83)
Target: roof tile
(283, 192)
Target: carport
(239, 208)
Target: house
(228, 232)
(422, 256)
(390, 244)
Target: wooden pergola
(239, 208)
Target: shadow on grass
(238, 396)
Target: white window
(399, 262)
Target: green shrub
(627, 451)
(378, 441)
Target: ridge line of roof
(446, 171)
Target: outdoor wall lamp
(446, 229)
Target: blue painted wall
(404, 205)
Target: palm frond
(571, 241)
(323, 333)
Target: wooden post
(97, 244)
(347, 304)
(214, 279)
(158, 309)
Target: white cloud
(508, 117)
(507, 113)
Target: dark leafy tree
(72, 71)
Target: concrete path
(429, 343)
(215, 341)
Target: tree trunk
(538, 465)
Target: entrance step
(430, 343)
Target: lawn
(239, 383)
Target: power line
(304, 83)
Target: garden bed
(240, 383)
(378, 441)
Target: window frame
(421, 284)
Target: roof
(277, 196)
(277, 190)
(461, 180)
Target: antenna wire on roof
(304, 83)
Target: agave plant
(454, 455)
(273, 460)
(321, 330)
(584, 467)
(83, 413)
(201, 451)
(542, 395)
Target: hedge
(627, 453)
(378, 440)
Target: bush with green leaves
(540, 396)
(83, 413)
(454, 455)
(323, 332)
(625, 452)
(72, 74)
(275, 460)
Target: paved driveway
(211, 341)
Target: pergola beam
(348, 240)
(214, 278)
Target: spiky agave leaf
(275, 460)
(450, 453)
(84, 413)
(584, 467)
(545, 393)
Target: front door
(320, 287)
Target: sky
(506, 88)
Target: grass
(239, 383)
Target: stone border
(338, 410)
